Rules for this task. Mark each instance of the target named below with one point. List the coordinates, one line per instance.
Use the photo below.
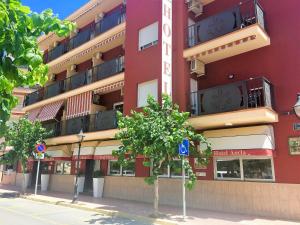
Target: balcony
(108, 22)
(97, 73)
(92, 125)
(245, 102)
(232, 32)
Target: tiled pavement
(171, 214)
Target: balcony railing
(108, 22)
(252, 93)
(243, 15)
(91, 123)
(99, 72)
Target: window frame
(139, 87)
(121, 170)
(241, 158)
(63, 167)
(150, 44)
(169, 175)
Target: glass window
(228, 168)
(63, 168)
(148, 36)
(176, 168)
(258, 169)
(164, 170)
(129, 169)
(114, 168)
(145, 89)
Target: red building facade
(234, 67)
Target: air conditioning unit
(195, 6)
(197, 67)
(98, 55)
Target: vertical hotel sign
(166, 47)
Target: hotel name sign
(166, 70)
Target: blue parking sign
(183, 147)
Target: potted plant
(98, 184)
(81, 179)
(45, 176)
(27, 179)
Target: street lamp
(80, 137)
(297, 106)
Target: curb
(102, 211)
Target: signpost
(40, 150)
(183, 150)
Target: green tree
(19, 30)
(156, 133)
(22, 136)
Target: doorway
(88, 182)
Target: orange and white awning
(110, 87)
(50, 111)
(256, 140)
(79, 105)
(33, 114)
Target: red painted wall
(145, 65)
(61, 76)
(279, 63)
(86, 65)
(113, 53)
(109, 99)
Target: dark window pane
(257, 169)
(228, 168)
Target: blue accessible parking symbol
(183, 147)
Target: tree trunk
(156, 197)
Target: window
(148, 36)
(260, 169)
(257, 169)
(228, 169)
(115, 168)
(175, 170)
(145, 89)
(63, 167)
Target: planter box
(80, 183)
(27, 179)
(44, 182)
(98, 185)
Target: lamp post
(297, 106)
(80, 137)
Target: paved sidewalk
(141, 211)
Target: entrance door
(89, 170)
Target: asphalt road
(17, 211)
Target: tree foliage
(22, 136)
(156, 133)
(19, 30)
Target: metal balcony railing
(91, 123)
(242, 15)
(99, 72)
(108, 22)
(252, 93)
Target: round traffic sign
(40, 148)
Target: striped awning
(79, 105)
(33, 114)
(50, 111)
(110, 87)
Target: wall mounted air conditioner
(96, 99)
(52, 77)
(197, 67)
(195, 6)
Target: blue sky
(61, 7)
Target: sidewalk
(141, 211)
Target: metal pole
(37, 176)
(77, 175)
(183, 188)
